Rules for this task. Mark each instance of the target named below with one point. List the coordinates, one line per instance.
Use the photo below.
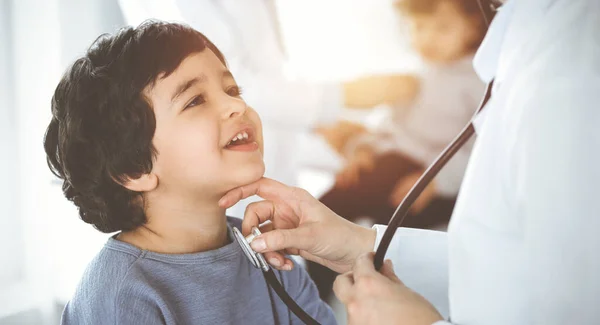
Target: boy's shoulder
(115, 266)
(117, 262)
(118, 272)
(108, 269)
(101, 287)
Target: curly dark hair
(102, 125)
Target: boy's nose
(234, 107)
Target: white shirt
(523, 245)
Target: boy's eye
(234, 91)
(198, 100)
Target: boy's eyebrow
(184, 86)
(227, 74)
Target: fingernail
(287, 267)
(275, 262)
(258, 245)
(221, 202)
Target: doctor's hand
(371, 297)
(300, 225)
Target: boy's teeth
(239, 136)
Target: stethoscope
(488, 10)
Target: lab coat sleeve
(420, 259)
(557, 165)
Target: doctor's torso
(489, 274)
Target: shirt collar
(487, 57)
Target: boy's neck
(180, 228)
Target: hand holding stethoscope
(302, 225)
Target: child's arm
(129, 307)
(303, 290)
(338, 134)
(384, 89)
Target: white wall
(334, 40)
(10, 226)
(34, 70)
(45, 246)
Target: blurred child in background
(428, 111)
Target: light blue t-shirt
(126, 285)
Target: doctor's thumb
(280, 239)
(388, 271)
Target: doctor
(247, 33)
(523, 246)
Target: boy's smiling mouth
(243, 140)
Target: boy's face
(199, 112)
(444, 35)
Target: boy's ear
(144, 183)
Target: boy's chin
(247, 175)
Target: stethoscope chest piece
(255, 258)
(258, 261)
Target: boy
(149, 130)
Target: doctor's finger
(264, 187)
(257, 213)
(343, 287)
(364, 266)
(292, 251)
(280, 239)
(278, 261)
(388, 271)
(266, 227)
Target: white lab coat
(523, 245)
(246, 32)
